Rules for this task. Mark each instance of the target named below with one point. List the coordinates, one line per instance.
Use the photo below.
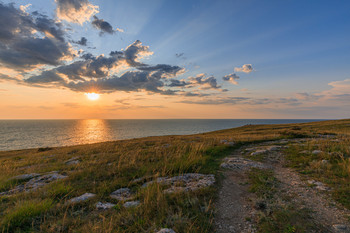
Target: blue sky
(293, 46)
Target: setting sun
(92, 96)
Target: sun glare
(92, 96)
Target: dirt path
(235, 205)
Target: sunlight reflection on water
(21, 134)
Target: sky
(160, 59)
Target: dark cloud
(82, 41)
(129, 81)
(178, 83)
(205, 82)
(232, 78)
(45, 77)
(246, 68)
(102, 25)
(29, 40)
(136, 51)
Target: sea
(25, 134)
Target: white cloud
(75, 11)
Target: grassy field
(105, 167)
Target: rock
(72, 161)
(166, 230)
(104, 206)
(304, 152)
(258, 152)
(316, 152)
(84, 197)
(26, 176)
(35, 182)
(274, 148)
(223, 141)
(184, 183)
(324, 161)
(166, 145)
(122, 194)
(230, 143)
(340, 228)
(318, 185)
(131, 204)
(234, 163)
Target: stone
(35, 183)
(72, 161)
(104, 206)
(131, 204)
(274, 148)
(324, 161)
(258, 152)
(26, 176)
(122, 194)
(166, 230)
(318, 185)
(84, 197)
(235, 163)
(340, 228)
(316, 152)
(184, 183)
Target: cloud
(242, 101)
(104, 26)
(205, 82)
(82, 41)
(135, 52)
(246, 68)
(27, 41)
(75, 11)
(232, 78)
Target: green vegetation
(105, 167)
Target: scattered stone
(131, 204)
(258, 152)
(35, 183)
(122, 194)
(316, 152)
(274, 148)
(324, 161)
(72, 161)
(318, 185)
(104, 206)
(166, 230)
(166, 145)
(340, 228)
(184, 183)
(223, 141)
(304, 152)
(26, 176)
(241, 164)
(84, 197)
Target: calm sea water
(23, 134)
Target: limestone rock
(234, 163)
(84, 197)
(72, 161)
(104, 206)
(341, 228)
(35, 183)
(184, 183)
(131, 204)
(26, 176)
(122, 194)
(166, 230)
(316, 152)
(258, 152)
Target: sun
(92, 96)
